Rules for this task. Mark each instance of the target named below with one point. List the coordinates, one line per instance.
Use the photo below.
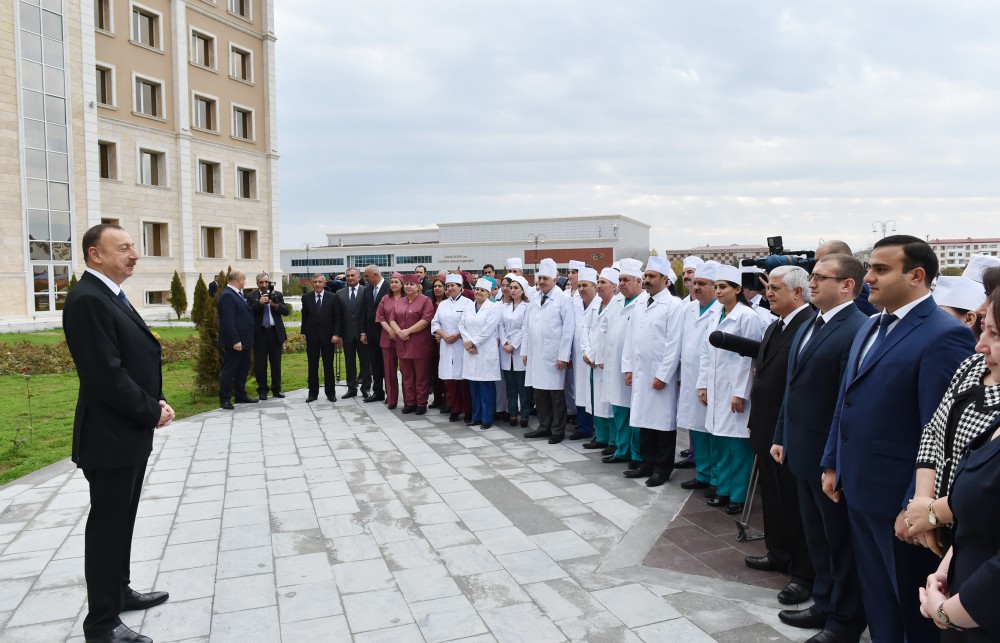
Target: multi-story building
(723, 254)
(955, 253)
(598, 240)
(156, 115)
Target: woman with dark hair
(962, 592)
(437, 386)
(387, 341)
(511, 335)
(444, 325)
(479, 328)
(724, 381)
(411, 319)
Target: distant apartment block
(723, 254)
(955, 253)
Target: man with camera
(269, 335)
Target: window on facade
(202, 49)
(105, 85)
(205, 113)
(326, 261)
(360, 261)
(154, 239)
(208, 177)
(242, 123)
(416, 259)
(148, 97)
(102, 15)
(157, 297)
(152, 168)
(145, 28)
(240, 7)
(241, 64)
(108, 153)
(110, 221)
(248, 244)
(211, 242)
(246, 183)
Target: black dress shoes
(445, 410)
(513, 421)
(685, 453)
(454, 417)
(524, 423)
(656, 480)
(810, 618)
(278, 395)
(375, 397)
(611, 459)
(433, 405)
(331, 398)
(694, 484)
(794, 593)
(594, 444)
(421, 410)
(121, 634)
(262, 397)
(350, 393)
(735, 508)
(486, 425)
(578, 436)
(311, 398)
(226, 405)
(765, 563)
(538, 433)
(684, 463)
(136, 601)
(246, 400)
(391, 407)
(640, 472)
(717, 501)
(469, 422)
(556, 439)
(632, 464)
(409, 409)
(826, 636)
(609, 450)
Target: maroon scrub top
(406, 314)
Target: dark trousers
(584, 421)
(459, 397)
(783, 537)
(416, 380)
(267, 350)
(314, 350)
(836, 588)
(114, 499)
(551, 408)
(657, 450)
(484, 400)
(235, 369)
(518, 395)
(354, 352)
(376, 362)
(390, 375)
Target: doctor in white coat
(512, 367)
(549, 329)
(586, 314)
(724, 381)
(479, 327)
(593, 358)
(650, 362)
(452, 352)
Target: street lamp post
(306, 246)
(536, 238)
(884, 224)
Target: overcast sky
(715, 122)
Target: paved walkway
(320, 522)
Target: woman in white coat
(586, 316)
(511, 335)
(724, 381)
(452, 353)
(593, 357)
(479, 327)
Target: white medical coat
(549, 329)
(726, 374)
(618, 316)
(482, 329)
(652, 349)
(451, 356)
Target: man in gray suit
(351, 310)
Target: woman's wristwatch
(942, 616)
(931, 516)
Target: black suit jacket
(276, 314)
(811, 395)
(770, 373)
(369, 307)
(322, 324)
(351, 321)
(235, 320)
(118, 363)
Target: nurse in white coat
(452, 352)
(586, 314)
(724, 387)
(480, 327)
(650, 362)
(512, 367)
(548, 343)
(593, 358)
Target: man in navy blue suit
(899, 366)
(816, 365)
(236, 334)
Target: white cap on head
(958, 292)
(611, 274)
(631, 267)
(485, 284)
(577, 265)
(728, 273)
(547, 268)
(515, 262)
(587, 274)
(978, 265)
(617, 265)
(523, 282)
(453, 278)
(660, 265)
(706, 270)
(692, 262)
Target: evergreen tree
(72, 282)
(209, 366)
(178, 296)
(201, 301)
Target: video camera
(778, 256)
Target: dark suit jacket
(351, 321)
(881, 410)
(118, 363)
(811, 391)
(276, 314)
(369, 307)
(322, 324)
(235, 320)
(770, 373)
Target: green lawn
(55, 336)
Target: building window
(243, 123)
(152, 167)
(326, 261)
(209, 177)
(241, 8)
(205, 113)
(241, 63)
(202, 49)
(157, 297)
(248, 244)
(108, 153)
(102, 15)
(246, 183)
(146, 27)
(360, 261)
(110, 221)
(211, 243)
(106, 85)
(417, 259)
(155, 239)
(148, 97)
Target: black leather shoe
(718, 501)
(556, 439)
(409, 409)
(311, 398)
(226, 405)
(609, 450)
(454, 417)
(524, 423)
(433, 405)
(765, 563)
(331, 398)
(810, 618)
(611, 459)
(594, 444)
(121, 634)
(421, 410)
(278, 395)
(656, 480)
(685, 453)
(578, 436)
(793, 594)
(375, 397)
(136, 601)
(262, 397)
(467, 422)
(350, 393)
(444, 410)
(735, 508)
(513, 421)
(486, 425)
(641, 472)
(684, 463)
(826, 636)
(246, 400)
(538, 433)
(694, 484)
(632, 464)
(391, 407)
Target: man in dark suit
(321, 328)
(236, 337)
(350, 308)
(269, 338)
(371, 331)
(119, 405)
(815, 368)
(899, 367)
(788, 297)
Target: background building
(723, 254)
(156, 115)
(598, 240)
(955, 253)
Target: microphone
(735, 343)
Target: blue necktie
(121, 295)
(883, 328)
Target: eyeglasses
(821, 278)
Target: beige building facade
(157, 115)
